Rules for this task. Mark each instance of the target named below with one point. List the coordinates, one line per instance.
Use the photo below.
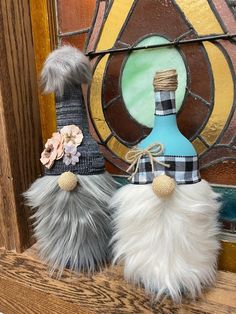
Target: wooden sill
(25, 287)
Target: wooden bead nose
(163, 185)
(67, 181)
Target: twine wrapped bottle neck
(70, 108)
(165, 83)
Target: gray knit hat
(71, 148)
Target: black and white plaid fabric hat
(184, 169)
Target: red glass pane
(74, 15)
(221, 173)
(77, 40)
(199, 113)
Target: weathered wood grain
(25, 277)
(19, 122)
(29, 301)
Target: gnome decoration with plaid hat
(72, 220)
(165, 221)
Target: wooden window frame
(22, 39)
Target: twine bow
(134, 156)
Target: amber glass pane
(75, 15)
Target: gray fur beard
(73, 229)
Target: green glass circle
(137, 78)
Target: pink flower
(71, 155)
(72, 135)
(53, 150)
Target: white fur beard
(168, 245)
(72, 229)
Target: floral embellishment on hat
(71, 156)
(72, 135)
(53, 150)
(63, 143)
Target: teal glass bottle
(165, 130)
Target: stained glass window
(120, 101)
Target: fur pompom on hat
(65, 66)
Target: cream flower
(72, 135)
(53, 150)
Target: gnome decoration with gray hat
(72, 221)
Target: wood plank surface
(25, 287)
(19, 122)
